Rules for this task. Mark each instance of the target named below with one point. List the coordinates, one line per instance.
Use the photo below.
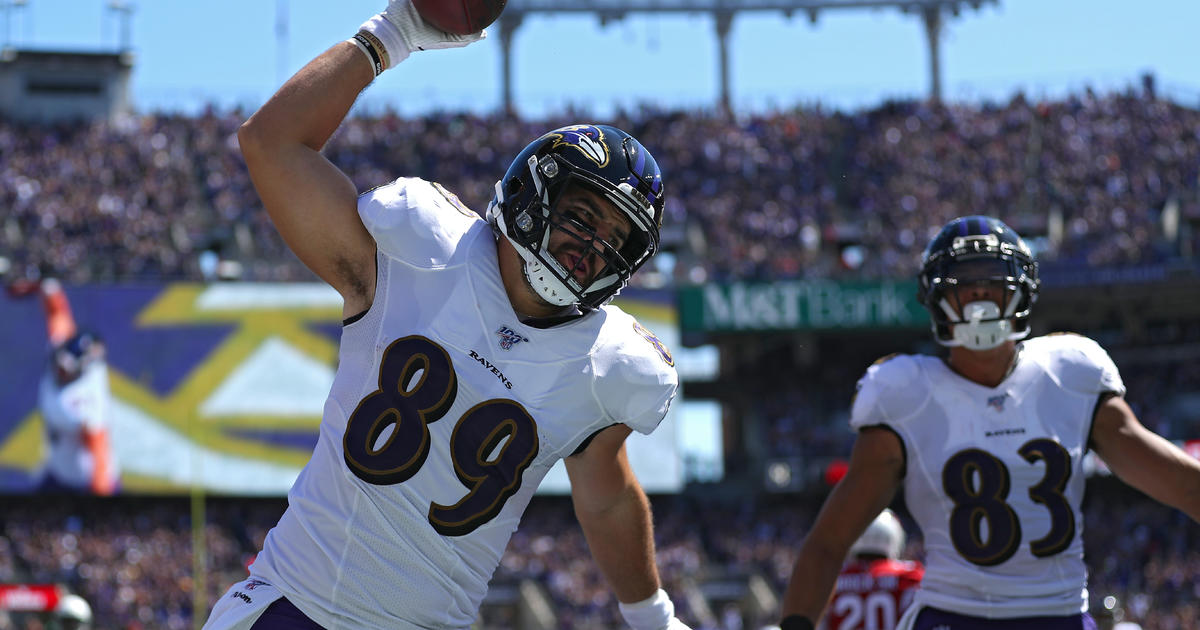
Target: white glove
(418, 34)
(401, 31)
(653, 613)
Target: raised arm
(615, 516)
(60, 322)
(1144, 459)
(875, 471)
(312, 203)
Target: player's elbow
(1189, 501)
(252, 139)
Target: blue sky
(226, 52)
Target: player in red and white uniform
(73, 398)
(875, 586)
(988, 444)
(474, 356)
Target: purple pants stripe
(283, 615)
(930, 618)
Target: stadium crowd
(132, 558)
(799, 193)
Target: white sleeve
(1085, 365)
(865, 410)
(1110, 376)
(636, 378)
(416, 221)
(886, 393)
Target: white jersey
(66, 411)
(994, 475)
(445, 414)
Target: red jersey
(872, 595)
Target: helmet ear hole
(513, 186)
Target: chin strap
(977, 334)
(982, 326)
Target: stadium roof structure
(931, 12)
(54, 85)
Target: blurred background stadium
(792, 235)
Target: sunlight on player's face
(574, 249)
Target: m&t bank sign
(800, 305)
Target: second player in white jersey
(988, 443)
(995, 474)
(482, 405)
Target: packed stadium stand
(131, 557)
(1095, 181)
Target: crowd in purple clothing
(1099, 179)
(133, 558)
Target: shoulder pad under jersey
(888, 391)
(415, 221)
(1079, 363)
(635, 373)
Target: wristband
(367, 44)
(652, 613)
(382, 42)
(795, 622)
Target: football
(460, 17)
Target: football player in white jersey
(475, 354)
(988, 445)
(73, 398)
